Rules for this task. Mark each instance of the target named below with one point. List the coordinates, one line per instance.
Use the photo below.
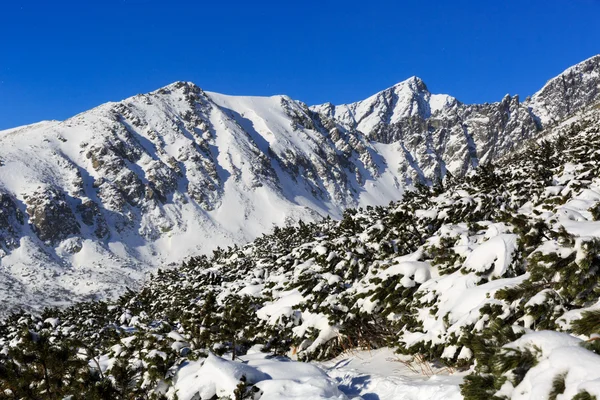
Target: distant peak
(414, 79)
(592, 60)
(184, 86)
(414, 82)
(591, 65)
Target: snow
(567, 318)
(359, 374)
(539, 298)
(54, 322)
(252, 290)
(460, 298)
(545, 341)
(380, 374)
(417, 270)
(560, 354)
(212, 377)
(283, 306)
(438, 102)
(321, 323)
(176, 336)
(277, 378)
(404, 99)
(497, 251)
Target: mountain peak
(414, 84)
(404, 99)
(413, 80)
(572, 90)
(183, 86)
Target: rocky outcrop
(50, 215)
(92, 216)
(460, 137)
(10, 220)
(571, 91)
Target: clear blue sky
(58, 58)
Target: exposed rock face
(571, 91)
(10, 219)
(51, 216)
(91, 216)
(437, 133)
(88, 204)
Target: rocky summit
(90, 205)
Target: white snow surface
(358, 375)
(496, 252)
(561, 353)
(382, 374)
(277, 378)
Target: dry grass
(418, 365)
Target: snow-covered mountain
(90, 204)
(438, 133)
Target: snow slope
(358, 375)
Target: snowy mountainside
(92, 202)
(437, 133)
(486, 286)
(89, 205)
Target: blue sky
(58, 58)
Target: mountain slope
(95, 201)
(91, 204)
